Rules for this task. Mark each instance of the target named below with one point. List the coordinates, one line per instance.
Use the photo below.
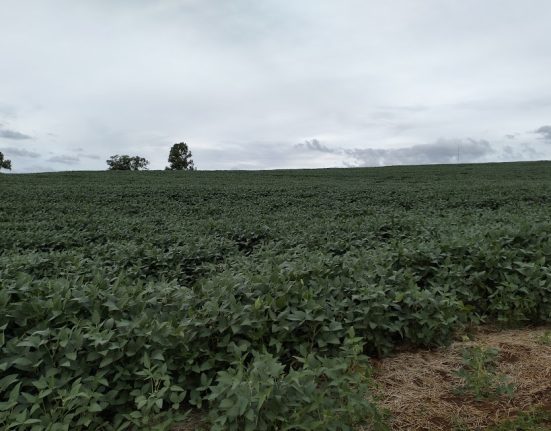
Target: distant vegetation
(127, 163)
(126, 300)
(179, 158)
(4, 163)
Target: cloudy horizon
(274, 84)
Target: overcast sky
(264, 84)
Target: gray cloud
(315, 145)
(91, 156)
(20, 152)
(544, 132)
(12, 134)
(441, 151)
(64, 159)
(520, 152)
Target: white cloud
(137, 76)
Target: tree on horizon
(4, 163)
(126, 163)
(180, 158)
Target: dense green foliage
(4, 163)
(126, 163)
(179, 158)
(126, 297)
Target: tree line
(179, 159)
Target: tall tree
(126, 163)
(4, 163)
(180, 158)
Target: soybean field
(128, 299)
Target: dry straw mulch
(417, 388)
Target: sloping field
(129, 298)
